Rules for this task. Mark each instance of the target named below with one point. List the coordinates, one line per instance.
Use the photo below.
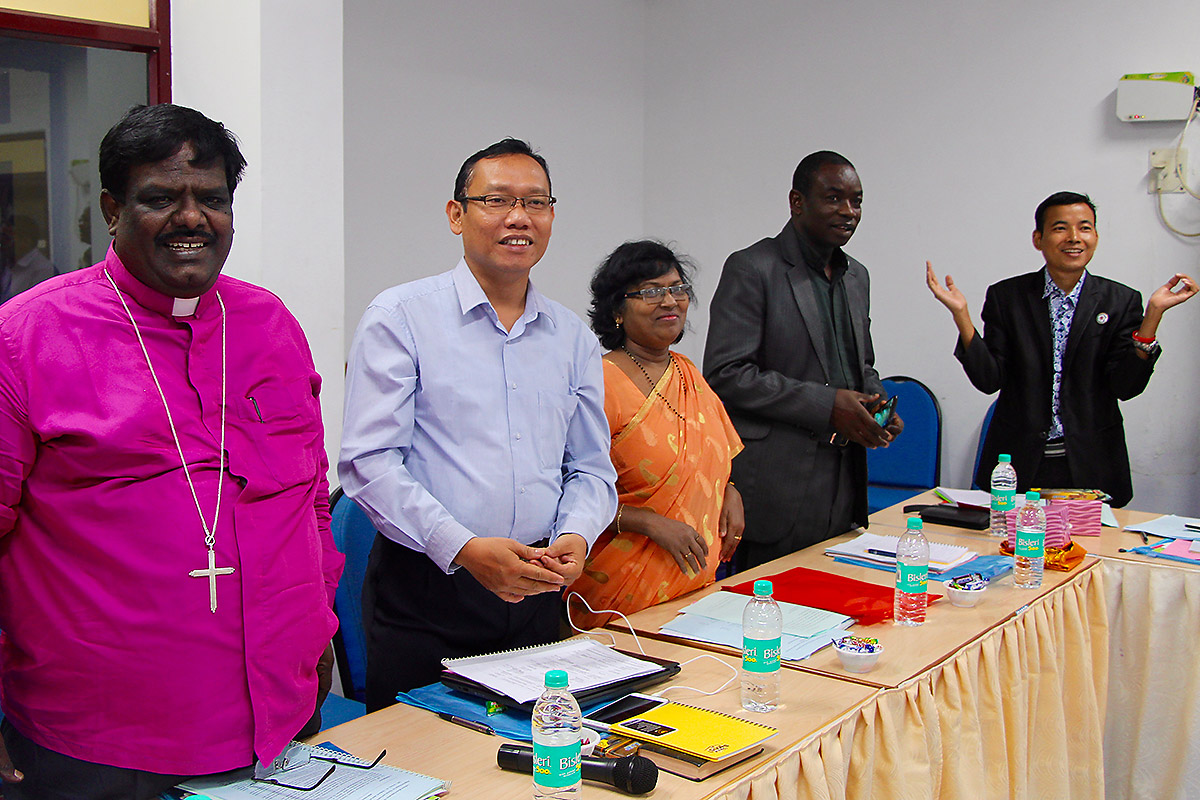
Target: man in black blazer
(789, 353)
(1062, 346)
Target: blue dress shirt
(455, 427)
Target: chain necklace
(210, 532)
(653, 385)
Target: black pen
(1145, 539)
(467, 723)
(875, 552)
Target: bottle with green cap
(1004, 494)
(1029, 557)
(762, 635)
(912, 575)
(557, 725)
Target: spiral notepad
(698, 731)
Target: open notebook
(941, 556)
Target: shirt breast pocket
(555, 411)
(283, 422)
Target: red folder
(868, 603)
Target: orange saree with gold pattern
(676, 468)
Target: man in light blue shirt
(474, 438)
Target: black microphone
(632, 774)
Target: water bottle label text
(760, 655)
(1004, 499)
(555, 766)
(1030, 544)
(912, 579)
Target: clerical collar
(156, 301)
(185, 306)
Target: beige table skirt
(1152, 737)
(1017, 713)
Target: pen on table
(1191, 526)
(467, 723)
(875, 552)
(1145, 539)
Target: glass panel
(56, 103)
(117, 12)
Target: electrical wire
(1180, 174)
(641, 650)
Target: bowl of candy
(966, 590)
(858, 653)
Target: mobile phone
(628, 707)
(884, 412)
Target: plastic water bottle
(1004, 494)
(557, 725)
(912, 575)
(1030, 556)
(762, 637)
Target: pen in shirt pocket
(257, 412)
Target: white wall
(428, 84)
(683, 119)
(271, 70)
(960, 119)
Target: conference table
(1152, 727)
(1083, 688)
(418, 740)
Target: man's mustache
(165, 238)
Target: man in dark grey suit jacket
(1062, 346)
(789, 353)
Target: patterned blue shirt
(1062, 311)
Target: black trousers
(50, 775)
(414, 615)
(827, 511)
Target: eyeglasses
(534, 203)
(298, 756)
(654, 295)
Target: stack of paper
(1171, 526)
(520, 674)
(717, 619)
(882, 550)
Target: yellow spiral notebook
(697, 731)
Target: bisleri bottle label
(555, 766)
(1004, 500)
(913, 579)
(760, 655)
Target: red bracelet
(1142, 339)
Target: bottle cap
(914, 523)
(1033, 497)
(556, 679)
(1005, 458)
(763, 588)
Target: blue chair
(912, 463)
(353, 535)
(987, 421)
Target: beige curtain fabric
(1018, 713)
(1152, 736)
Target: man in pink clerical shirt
(166, 567)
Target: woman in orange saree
(678, 516)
